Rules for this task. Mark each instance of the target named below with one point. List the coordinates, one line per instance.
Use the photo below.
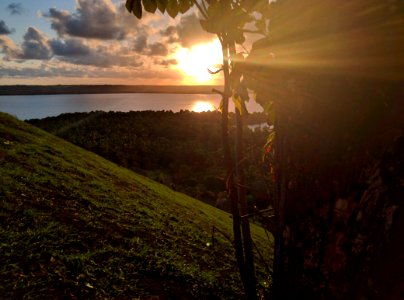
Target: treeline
(182, 150)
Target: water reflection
(200, 106)
(40, 106)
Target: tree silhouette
(227, 19)
(330, 76)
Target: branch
(202, 11)
(204, 7)
(220, 93)
(215, 72)
(253, 31)
(260, 212)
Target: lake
(41, 106)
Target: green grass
(74, 225)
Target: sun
(201, 106)
(196, 61)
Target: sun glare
(201, 106)
(195, 62)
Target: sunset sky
(99, 42)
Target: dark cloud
(157, 49)
(15, 8)
(103, 60)
(68, 47)
(42, 71)
(72, 51)
(166, 62)
(171, 34)
(35, 45)
(142, 47)
(190, 31)
(140, 43)
(77, 53)
(4, 29)
(79, 71)
(169, 31)
(96, 19)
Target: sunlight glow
(195, 62)
(201, 106)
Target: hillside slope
(75, 225)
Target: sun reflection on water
(201, 106)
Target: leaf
(207, 26)
(221, 105)
(260, 25)
(150, 5)
(184, 6)
(239, 104)
(243, 92)
(239, 39)
(161, 5)
(137, 8)
(216, 16)
(269, 109)
(172, 8)
(129, 5)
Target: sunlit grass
(77, 224)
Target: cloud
(97, 19)
(15, 8)
(35, 45)
(102, 59)
(140, 43)
(42, 71)
(169, 31)
(4, 29)
(190, 31)
(8, 48)
(73, 51)
(70, 47)
(166, 62)
(87, 73)
(157, 49)
(76, 52)
(171, 34)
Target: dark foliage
(182, 150)
(333, 73)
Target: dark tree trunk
(340, 193)
(229, 164)
(245, 224)
(335, 72)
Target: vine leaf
(150, 5)
(184, 6)
(162, 5)
(135, 7)
(129, 5)
(172, 8)
(240, 104)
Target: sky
(98, 42)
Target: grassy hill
(74, 225)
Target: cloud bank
(98, 38)
(97, 19)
